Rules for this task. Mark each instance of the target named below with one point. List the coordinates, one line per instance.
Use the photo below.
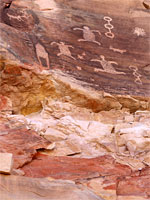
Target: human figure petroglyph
(117, 50)
(109, 26)
(136, 74)
(88, 35)
(64, 49)
(107, 66)
(41, 53)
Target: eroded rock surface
(32, 189)
(74, 168)
(107, 46)
(74, 85)
(19, 141)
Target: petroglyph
(139, 31)
(109, 26)
(41, 53)
(107, 66)
(88, 35)
(136, 74)
(19, 17)
(117, 50)
(64, 49)
(81, 57)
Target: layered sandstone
(74, 99)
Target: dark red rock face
(116, 176)
(22, 143)
(108, 51)
(74, 168)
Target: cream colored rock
(54, 135)
(131, 198)
(121, 125)
(64, 148)
(39, 124)
(146, 159)
(63, 107)
(6, 163)
(54, 108)
(97, 185)
(84, 128)
(97, 129)
(136, 139)
(24, 188)
(133, 163)
(68, 125)
(51, 146)
(129, 118)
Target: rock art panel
(107, 66)
(41, 53)
(88, 35)
(115, 32)
(122, 51)
(64, 49)
(136, 74)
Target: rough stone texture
(54, 135)
(20, 141)
(102, 175)
(6, 163)
(106, 132)
(15, 187)
(87, 41)
(134, 186)
(74, 168)
(84, 68)
(5, 104)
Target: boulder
(18, 187)
(19, 141)
(6, 163)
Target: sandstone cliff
(75, 99)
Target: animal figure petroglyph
(19, 17)
(88, 35)
(117, 50)
(136, 74)
(139, 31)
(64, 49)
(109, 26)
(41, 53)
(107, 66)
